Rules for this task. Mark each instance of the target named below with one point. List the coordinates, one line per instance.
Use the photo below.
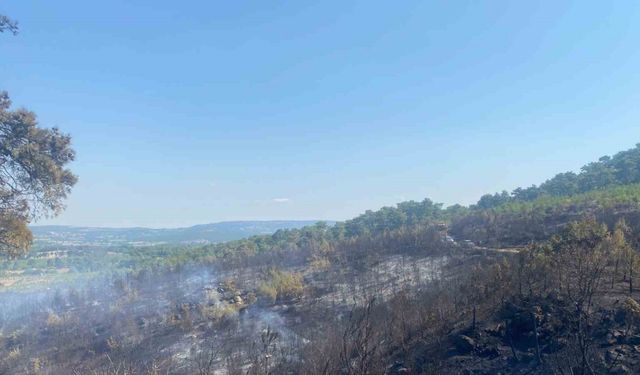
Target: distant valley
(61, 235)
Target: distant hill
(45, 235)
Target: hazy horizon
(199, 112)
(180, 227)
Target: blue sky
(199, 111)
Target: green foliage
(520, 222)
(621, 169)
(573, 264)
(281, 285)
(605, 198)
(34, 179)
(408, 213)
(15, 236)
(268, 292)
(217, 313)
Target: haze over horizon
(346, 105)
(306, 222)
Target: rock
(464, 344)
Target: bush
(281, 285)
(268, 292)
(217, 313)
(53, 320)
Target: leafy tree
(597, 175)
(561, 184)
(34, 179)
(497, 199)
(624, 252)
(280, 285)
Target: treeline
(405, 221)
(622, 168)
(405, 214)
(518, 223)
(606, 188)
(320, 246)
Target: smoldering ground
(186, 317)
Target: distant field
(52, 235)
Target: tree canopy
(622, 168)
(34, 179)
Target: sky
(188, 112)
